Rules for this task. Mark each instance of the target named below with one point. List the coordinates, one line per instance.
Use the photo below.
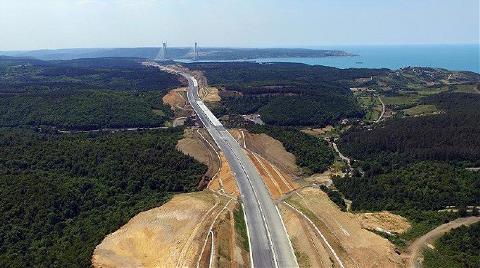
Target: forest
(451, 136)
(83, 94)
(84, 109)
(458, 248)
(61, 194)
(417, 165)
(313, 155)
(423, 185)
(286, 94)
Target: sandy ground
(177, 100)
(308, 245)
(271, 149)
(168, 236)
(196, 144)
(210, 94)
(383, 221)
(273, 162)
(354, 246)
(413, 255)
(224, 181)
(227, 251)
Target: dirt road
(414, 251)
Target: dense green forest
(61, 194)
(20, 75)
(312, 154)
(451, 136)
(84, 110)
(422, 185)
(417, 165)
(83, 94)
(286, 94)
(458, 248)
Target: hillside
(83, 94)
(61, 194)
(285, 93)
(176, 53)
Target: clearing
(421, 110)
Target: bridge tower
(164, 56)
(195, 52)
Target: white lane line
(320, 233)
(288, 236)
(262, 214)
(212, 251)
(243, 137)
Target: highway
(270, 245)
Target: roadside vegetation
(241, 227)
(458, 248)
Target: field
(420, 110)
(407, 99)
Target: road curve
(270, 245)
(417, 247)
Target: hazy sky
(34, 24)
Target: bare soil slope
(354, 246)
(168, 236)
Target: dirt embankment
(271, 149)
(413, 256)
(167, 236)
(206, 93)
(340, 233)
(324, 233)
(384, 222)
(224, 181)
(273, 162)
(177, 100)
(189, 230)
(198, 144)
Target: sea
(464, 57)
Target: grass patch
(158, 112)
(400, 100)
(420, 110)
(241, 227)
(466, 89)
(302, 258)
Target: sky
(51, 24)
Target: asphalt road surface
(268, 238)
